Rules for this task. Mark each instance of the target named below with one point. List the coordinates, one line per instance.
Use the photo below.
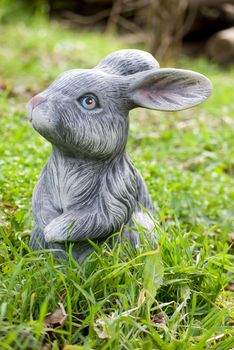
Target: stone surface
(89, 189)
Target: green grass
(174, 297)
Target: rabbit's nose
(36, 100)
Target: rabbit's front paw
(54, 233)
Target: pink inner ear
(146, 93)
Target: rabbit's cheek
(42, 122)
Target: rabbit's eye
(88, 102)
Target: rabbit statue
(89, 189)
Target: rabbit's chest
(72, 187)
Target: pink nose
(36, 100)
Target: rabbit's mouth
(29, 114)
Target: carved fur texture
(89, 189)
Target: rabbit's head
(84, 112)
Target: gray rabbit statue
(89, 189)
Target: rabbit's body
(89, 189)
(101, 195)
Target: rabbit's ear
(168, 89)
